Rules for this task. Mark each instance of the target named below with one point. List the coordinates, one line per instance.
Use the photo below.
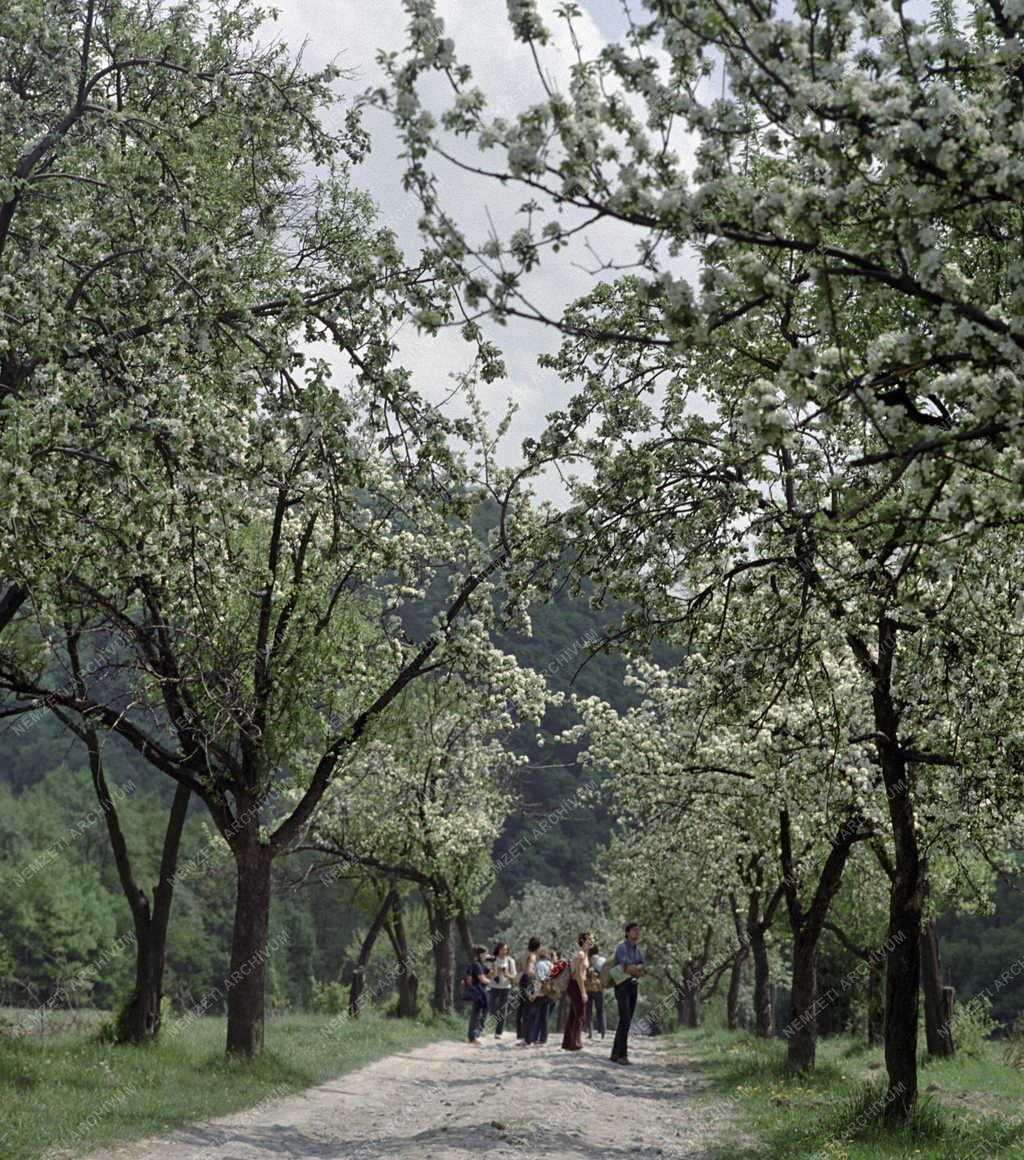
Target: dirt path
(449, 1101)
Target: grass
(65, 1095)
(835, 1112)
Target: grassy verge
(62, 1096)
(835, 1113)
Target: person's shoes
(620, 1059)
(497, 1035)
(475, 1043)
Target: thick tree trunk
(246, 982)
(938, 1032)
(764, 1008)
(903, 964)
(358, 984)
(465, 936)
(688, 1005)
(732, 1002)
(802, 1031)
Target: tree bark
(408, 982)
(802, 1030)
(246, 982)
(358, 984)
(903, 964)
(465, 935)
(875, 1001)
(807, 926)
(140, 1022)
(764, 1008)
(688, 1004)
(938, 1031)
(443, 999)
(732, 1002)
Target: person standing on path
(542, 1003)
(527, 986)
(476, 993)
(572, 1040)
(503, 974)
(628, 968)
(595, 994)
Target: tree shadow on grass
(813, 1129)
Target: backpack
(557, 982)
(594, 984)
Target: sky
(351, 32)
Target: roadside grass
(836, 1111)
(62, 1096)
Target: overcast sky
(351, 32)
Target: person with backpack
(572, 1040)
(595, 994)
(543, 1002)
(474, 990)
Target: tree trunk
(408, 983)
(903, 945)
(938, 1032)
(358, 984)
(807, 927)
(802, 1030)
(875, 1003)
(443, 1000)
(732, 1001)
(246, 983)
(688, 1005)
(764, 1008)
(140, 1020)
(465, 936)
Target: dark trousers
(595, 1006)
(477, 1018)
(524, 1012)
(499, 1007)
(572, 1040)
(538, 1028)
(625, 996)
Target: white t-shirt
(502, 973)
(543, 969)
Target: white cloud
(351, 32)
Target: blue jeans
(625, 996)
(538, 1028)
(477, 1018)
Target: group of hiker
(492, 985)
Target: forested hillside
(67, 927)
